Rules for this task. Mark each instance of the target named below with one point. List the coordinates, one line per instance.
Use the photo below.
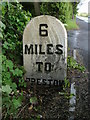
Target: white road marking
(73, 93)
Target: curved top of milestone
(45, 19)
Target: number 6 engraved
(43, 32)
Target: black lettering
(55, 82)
(38, 81)
(44, 81)
(61, 83)
(50, 82)
(59, 50)
(44, 32)
(40, 50)
(27, 79)
(32, 80)
(36, 50)
(29, 50)
(48, 67)
(39, 66)
(49, 49)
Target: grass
(72, 25)
(83, 14)
(72, 63)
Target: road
(78, 39)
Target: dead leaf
(31, 107)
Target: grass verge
(83, 14)
(71, 25)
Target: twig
(22, 109)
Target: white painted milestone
(45, 51)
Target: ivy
(6, 89)
(14, 20)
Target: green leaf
(9, 64)
(1, 36)
(7, 75)
(62, 93)
(7, 81)
(5, 99)
(25, 85)
(71, 95)
(6, 89)
(17, 72)
(57, 4)
(33, 100)
(2, 25)
(3, 57)
(16, 103)
(14, 86)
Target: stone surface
(50, 50)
